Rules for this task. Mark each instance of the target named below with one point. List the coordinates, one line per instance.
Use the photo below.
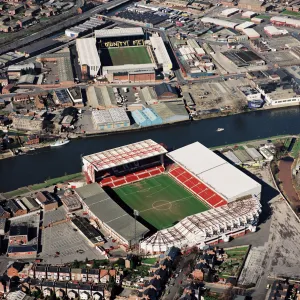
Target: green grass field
(160, 200)
(125, 55)
(291, 13)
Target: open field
(160, 201)
(124, 56)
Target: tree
(76, 264)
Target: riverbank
(63, 179)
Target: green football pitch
(160, 200)
(125, 55)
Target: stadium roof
(213, 170)
(109, 212)
(87, 52)
(160, 50)
(124, 155)
(118, 32)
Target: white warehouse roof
(118, 32)
(160, 51)
(272, 30)
(111, 115)
(251, 33)
(219, 22)
(214, 171)
(88, 54)
(244, 25)
(229, 11)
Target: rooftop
(18, 230)
(87, 52)
(125, 154)
(109, 212)
(118, 32)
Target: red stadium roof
(124, 155)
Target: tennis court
(160, 200)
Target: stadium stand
(195, 186)
(113, 181)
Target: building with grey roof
(232, 157)
(2, 226)
(101, 97)
(30, 203)
(254, 153)
(242, 155)
(110, 215)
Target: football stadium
(186, 197)
(123, 54)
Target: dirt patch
(285, 177)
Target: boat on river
(220, 129)
(60, 142)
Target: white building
(229, 12)
(249, 14)
(251, 33)
(88, 56)
(280, 96)
(119, 32)
(266, 153)
(111, 118)
(219, 22)
(244, 25)
(161, 53)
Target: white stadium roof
(118, 32)
(160, 50)
(214, 171)
(88, 54)
(124, 155)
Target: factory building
(88, 57)
(244, 25)
(284, 21)
(161, 54)
(146, 117)
(112, 118)
(249, 14)
(218, 22)
(27, 123)
(251, 33)
(102, 97)
(273, 31)
(254, 5)
(229, 12)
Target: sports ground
(125, 55)
(160, 200)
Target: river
(49, 163)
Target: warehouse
(284, 21)
(254, 5)
(273, 31)
(218, 22)
(251, 33)
(161, 54)
(244, 58)
(116, 221)
(112, 118)
(171, 112)
(146, 117)
(249, 14)
(88, 57)
(101, 97)
(244, 25)
(232, 157)
(214, 171)
(229, 12)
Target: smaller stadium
(186, 197)
(123, 54)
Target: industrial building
(146, 117)
(273, 31)
(254, 5)
(251, 33)
(229, 12)
(218, 22)
(244, 25)
(101, 97)
(106, 212)
(88, 57)
(249, 14)
(161, 54)
(244, 58)
(112, 118)
(27, 123)
(285, 21)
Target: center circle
(162, 205)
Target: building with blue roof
(146, 117)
